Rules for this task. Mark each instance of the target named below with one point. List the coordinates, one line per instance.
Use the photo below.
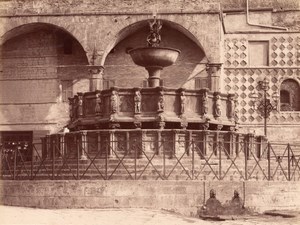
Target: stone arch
(18, 28)
(119, 65)
(289, 95)
(131, 28)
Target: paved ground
(23, 216)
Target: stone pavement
(24, 216)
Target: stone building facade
(51, 50)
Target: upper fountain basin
(154, 56)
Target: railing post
(135, 158)
(246, 160)
(289, 162)
(78, 154)
(269, 161)
(220, 160)
(48, 144)
(164, 159)
(107, 144)
(32, 158)
(193, 158)
(15, 162)
(53, 157)
(1, 160)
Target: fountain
(153, 128)
(153, 57)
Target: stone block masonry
(179, 196)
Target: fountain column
(154, 76)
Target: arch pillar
(96, 77)
(214, 72)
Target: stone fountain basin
(154, 56)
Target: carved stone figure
(137, 102)
(182, 102)
(80, 105)
(204, 103)
(217, 108)
(113, 102)
(231, 106)
(160, 106)
(98, 107)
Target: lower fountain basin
(154, 56)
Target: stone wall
(240, 77)
(179, 196)
(31, 86)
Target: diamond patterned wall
(284, 51)
(244, 81)
(236, 52)
(242, 78)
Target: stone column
(48, 148)
(62, 144)
(213, 70)
(112, 143)
(83, 145)
(230, 145)
(96, 78)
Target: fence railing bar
(279, 163)
(150, 162)
(65, 162)
(206, 163)
(23, 166)
(233, 164)
(91, 163)
(178, 162)
(257, 164)
(41, 164)
(119, 163)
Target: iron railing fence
(150, 159)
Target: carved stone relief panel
(126, 103)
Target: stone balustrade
(151, 108)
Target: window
(258, 53)
(201, 82)
(67, 90)
(284, 97)
(289, 95)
